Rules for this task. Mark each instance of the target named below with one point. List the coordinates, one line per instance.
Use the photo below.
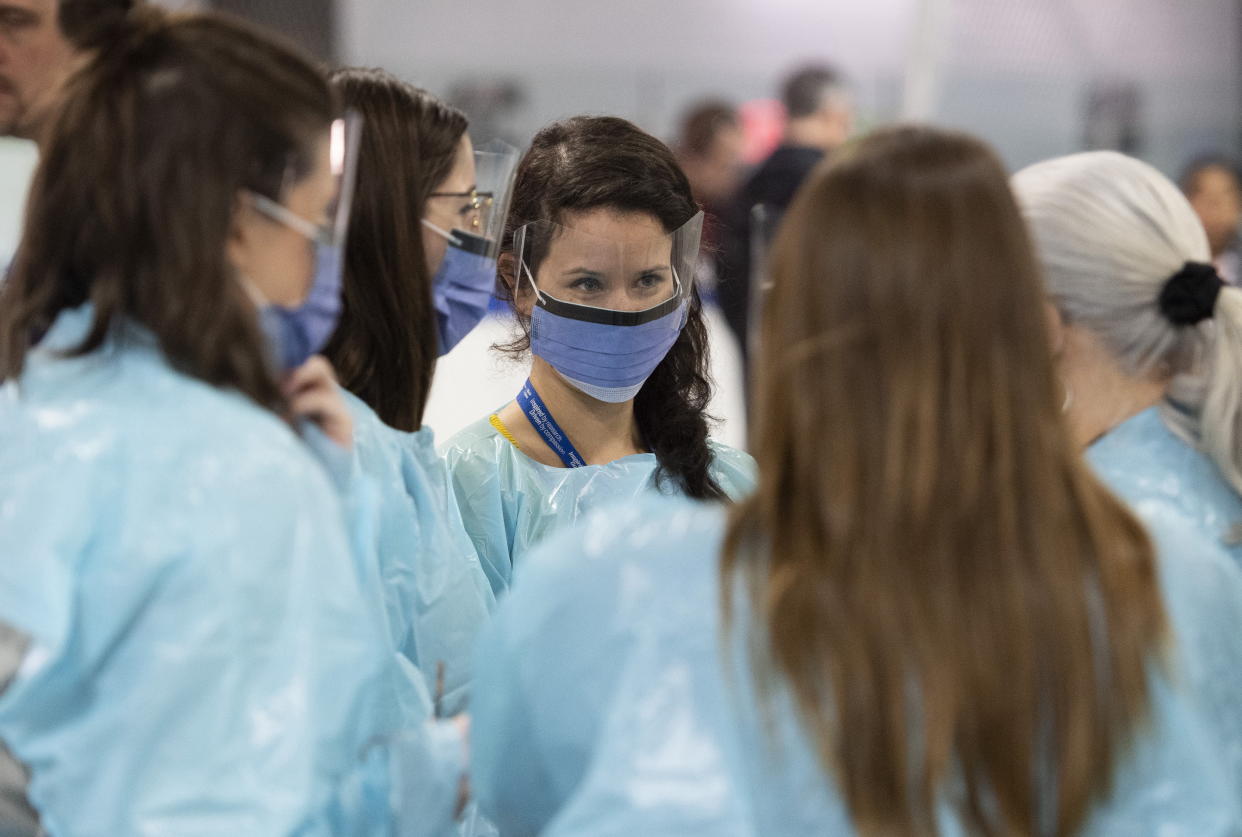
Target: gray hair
(1110, 231)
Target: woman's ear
(240, 242)
(505, 269)
(519, 292)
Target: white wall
(644, 59)
(1014, 71)
(17, 161)
(1017, 72)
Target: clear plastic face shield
(606, 310)
(465, 281)
(615, 281)
(296, 333)
(480, 213)
(765, 220)
(332, 229)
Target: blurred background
(1160, 79)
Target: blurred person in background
(41, 42)
(709, 150)
(1211, 184)
(819, 111)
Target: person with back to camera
(198, 648)
(930, 618)
(1149, 348)
(598, 260)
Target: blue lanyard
(540, 419)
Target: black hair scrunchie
(1190, 294)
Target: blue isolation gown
(604, 705)
(509, 502)
(1143, 461)
(1172, 486)
(435, 594)
(202, 653)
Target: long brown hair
(385, 346)
(943, 587)
(602, 162)
(134, 198)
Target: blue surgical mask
(462, 287)
(606, 354)
(294, 334)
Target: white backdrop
(1016, 72)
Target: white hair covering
(1110, 231)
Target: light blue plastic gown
(603, 707)
(202, 656)
(509, 502)
(1141, 459)
(1173, 486)
(436, 596)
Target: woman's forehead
(617, 227)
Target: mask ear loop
(519, 252)
(283, 215)
(531, 279)
(678, 288)
(682, 294)
(251, 290)
(447, 236)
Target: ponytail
(1206, 401)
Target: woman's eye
(587, 283)
(650, 280)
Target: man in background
(41, 42)
(819, 119)
(709, 149)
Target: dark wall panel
(311, 23)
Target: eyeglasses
(475, 200)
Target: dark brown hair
(386, 345)
(940, 584)
(88, 24)
(134, 197)
(601, 162)
(805, 90)
(702, 124)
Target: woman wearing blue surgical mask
(419, 284)
(409, 292)
(598, 259)
(196, 648)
